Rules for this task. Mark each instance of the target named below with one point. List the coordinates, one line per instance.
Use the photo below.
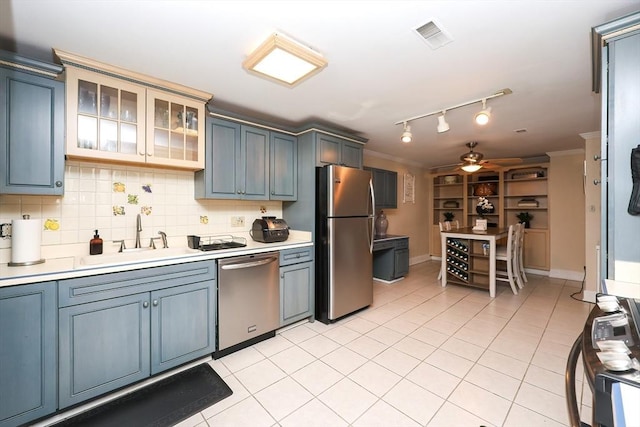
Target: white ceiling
(379, 71)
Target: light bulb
(471, 167)
(406, 135)
(482, 118)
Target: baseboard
(576, 276)
(388, 282)
(537, 272)
(419, 259)
(589, 296)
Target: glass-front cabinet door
(105, 117)
(177, 135)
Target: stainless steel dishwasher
(248, 300)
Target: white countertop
(69, 266)
(621, 289)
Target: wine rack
(467, 263)
(458, 260)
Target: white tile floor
(421, 355)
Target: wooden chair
(507, 254)
(518, 268)
(520, 254)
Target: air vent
(433, 34)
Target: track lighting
(406, 135)
(443, 126)
(481, 118)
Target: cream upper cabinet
(105, 117)
(116, 115)
(175, 131)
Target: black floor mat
(164, 403)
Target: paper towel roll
(26, 236)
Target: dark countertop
(377, 238)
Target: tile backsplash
(109, 197)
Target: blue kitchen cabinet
(391, 257)
(104, 345)
(28, 352)
(333, 150)
(248, 163)
(32, 120)
(296, 285)
(119, 328)
(283, 166)
(236, 162)
(385, 188)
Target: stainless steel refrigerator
(344, 241)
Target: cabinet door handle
(596, 181)
(58, 184)
(155, 302)
(149, 154)
(141, 153)
(145, 304)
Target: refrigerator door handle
(372, 215)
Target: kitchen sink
(132, 256)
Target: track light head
(443, 126)
(482, 118)
(406, 135)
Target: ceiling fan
(474, 161)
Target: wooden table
(491, 235)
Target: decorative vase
(381, 224)
(482, 212)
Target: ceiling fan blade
(506, 160)
(489, 165)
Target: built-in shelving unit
(484, 184)
(525, 190)
(511, 190)
(448, 196)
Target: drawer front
(295, 256)
(82, 290)
(402, 243)
(383, 244)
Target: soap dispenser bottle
(95, 245)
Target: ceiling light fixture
(442, 124)
(483, 116)
(284, 60)
(471, 167)
(406, 135)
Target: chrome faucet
(138, 230)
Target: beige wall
(567, 220)
(410, 219)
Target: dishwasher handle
(249, 264)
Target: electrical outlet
(237, 221)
